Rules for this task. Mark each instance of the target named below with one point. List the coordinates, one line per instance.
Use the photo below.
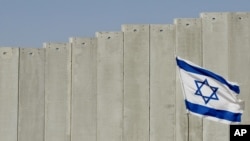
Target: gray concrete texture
(83, 103)
(121, 86)
(31, 95)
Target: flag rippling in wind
(209, 95)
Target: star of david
(205, 93)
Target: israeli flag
(209, 95)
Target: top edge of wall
(215, 15)
(45, 45)
(178, 20)
(74, 39)
(8, 47)
(221, 13)
(30, 48)
(99, 34)
(162, 27)
(226, 12)
(128, 27)
(161, 24)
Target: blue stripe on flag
(220, 114)
(193, 69)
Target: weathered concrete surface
(136, 82)
(31, 95)
(239, 59)
(110, 86)
(57, 91)
(83, 115)
(9, 62)
(162, 82)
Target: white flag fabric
(209, 95)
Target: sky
(30, 23)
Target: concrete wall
(31, 95)
(83, 103)
(121, 86)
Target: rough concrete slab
(9, 62)
(57, 91)
(136, 82)
(31, 95)
(109, 86)
(239, 59)
(162, 82)
(83, 124)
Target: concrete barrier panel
(9, 62)
(162, 82)
(57, 91)
(31, 95)
(109, 86)
(188, 46)
(239, 58)
(215, 33)
(136, 82)
(83, 115)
